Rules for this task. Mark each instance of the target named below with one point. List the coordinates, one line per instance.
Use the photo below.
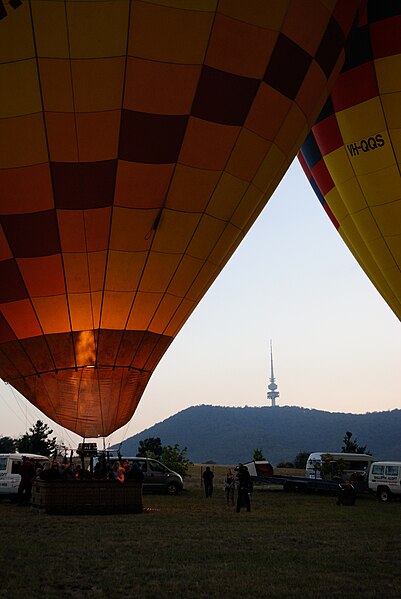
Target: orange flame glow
(85, 349)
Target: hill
(230, 435)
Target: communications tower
(272, 394)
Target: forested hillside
(230, 435)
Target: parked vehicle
(262, 473)
(385, 480)
(345, 466)
(261, 468)
(157, 477)
(10, 466)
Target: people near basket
(28, 474)
(118, 472)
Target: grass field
(290, 545)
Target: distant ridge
(229, 435)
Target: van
(385, 480)
(10, 467)
(157, 477)
(345, 466)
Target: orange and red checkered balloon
(140, 139)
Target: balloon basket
(87, 497)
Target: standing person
(244, 484)
(229, 486)
(208, 481)
(118, 472)
(28, 473)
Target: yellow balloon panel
(352, 156)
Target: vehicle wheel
(172, 489)
(384, 495)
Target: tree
(37, 440)
(7, 445)
(301, 458)
(150, 448)
(258, 454)
(351, 445)
(175, 458)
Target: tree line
(37, 440)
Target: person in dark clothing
(244, 485)
(134, 472)
(208, 481)
(28, 473)
(101, 470)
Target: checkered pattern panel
(140, 140)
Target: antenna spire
(272, 394)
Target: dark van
(157, 477)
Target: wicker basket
(88, 496)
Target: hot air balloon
(353, 154)
(140, 141)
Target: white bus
(347, 466)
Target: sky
(336, 343)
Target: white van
(385, 480)
(327, 464)
(10, 467)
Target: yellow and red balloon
(353, 154)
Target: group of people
(239, 481)
(120, 471)
(68, 471)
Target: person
(229, 486)
(244, 484)
(54, 472)
(208, 481)
(118, 472)
(100, 470)
(135, 472)
(65, 472)
(346, 493)
(28, 473)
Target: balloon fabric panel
(353, 152)
(140, 141)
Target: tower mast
(272, 394)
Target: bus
(344, 466)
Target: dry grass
(289, 546)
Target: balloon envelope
(353, 155)
(140, 141)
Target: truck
(10, 466)
(262, 472)
(325, 472)
(385, 480)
